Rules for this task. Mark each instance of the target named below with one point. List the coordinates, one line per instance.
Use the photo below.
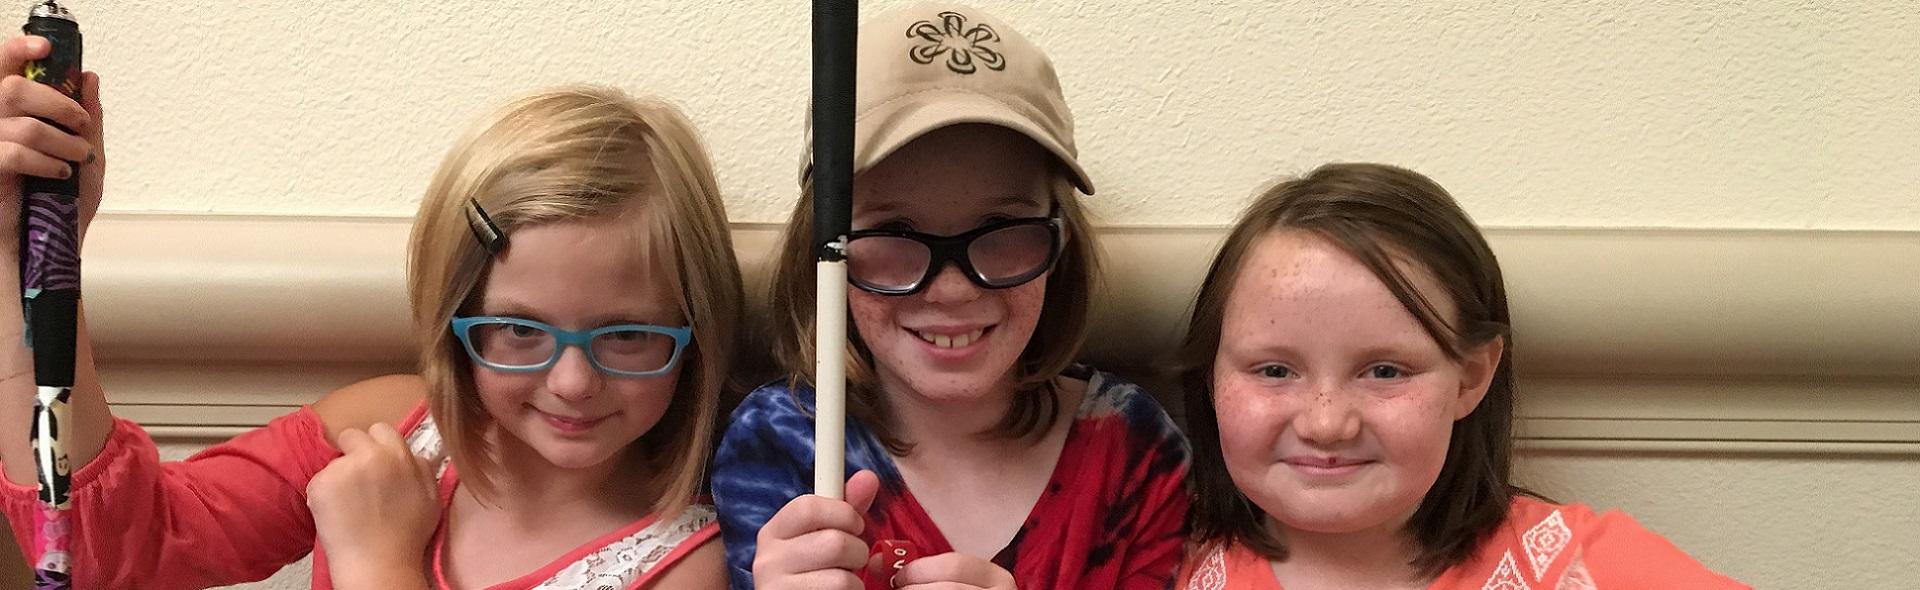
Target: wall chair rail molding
(1629, 339)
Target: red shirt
(1112, 516)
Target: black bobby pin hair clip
(484, 229)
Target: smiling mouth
(568, 423)
(950, 341)
(1325, 462)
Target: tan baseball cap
(933, 65)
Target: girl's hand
(375, 509)
(952, 571)
(814, 542)
(30, 146)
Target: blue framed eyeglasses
(518, 345)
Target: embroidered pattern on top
(1212, 573)
(1577, 577)
(967, 49)
(1544, 542)
(1507, 576)
(614, 566)
(622, 562)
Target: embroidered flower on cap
(966, 48)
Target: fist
(375, 508)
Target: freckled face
(1335, 406)
(953, 340)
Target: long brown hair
(1378, 214)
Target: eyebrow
(1268, 347)
(886, 208)
(510, 308)
(504, 307)
(996, 205)
(1018, 200)
(1391, 349)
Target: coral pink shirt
(1541, 546)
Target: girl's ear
(1477, 369)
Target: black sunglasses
(998, 255)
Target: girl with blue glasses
(576, 301)
(520, 345)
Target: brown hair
(1378, 214)
(565, 155)
(1055, 344)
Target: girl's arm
(1619, 553)
(233, 513)
(32, 147)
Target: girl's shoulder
(1575, 546)
(1109, 395)
(1121, 412)
(1105, 394)
(775, 423)
(1224, 566)
(1550, 528)
(777, 403)
(1540, 545)
(396, 400)
(771, 429)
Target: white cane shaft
(830, 381)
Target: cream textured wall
(1775, 114)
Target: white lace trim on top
(614, 567)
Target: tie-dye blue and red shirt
(1113, 515)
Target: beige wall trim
(1676, 339)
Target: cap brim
(894, 125)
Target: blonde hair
(1054, 346)
(574, 154)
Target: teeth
(955, 341)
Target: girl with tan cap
(979, 454)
